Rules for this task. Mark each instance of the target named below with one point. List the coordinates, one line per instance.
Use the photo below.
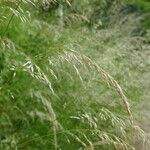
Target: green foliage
(142, 6)
(54, 92)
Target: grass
(56, 92)
(142, 6)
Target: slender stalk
(61, 15)
(11, 18)
(110, 80)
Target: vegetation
(74, 74)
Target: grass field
(77, 85)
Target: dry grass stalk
(52, 117)
(73, 55)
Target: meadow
(74, 75)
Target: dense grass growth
(143, 7)
(74, 75)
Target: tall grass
(53, 97)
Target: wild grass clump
(69, 118)
(55, 92)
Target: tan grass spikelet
(71, 55)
